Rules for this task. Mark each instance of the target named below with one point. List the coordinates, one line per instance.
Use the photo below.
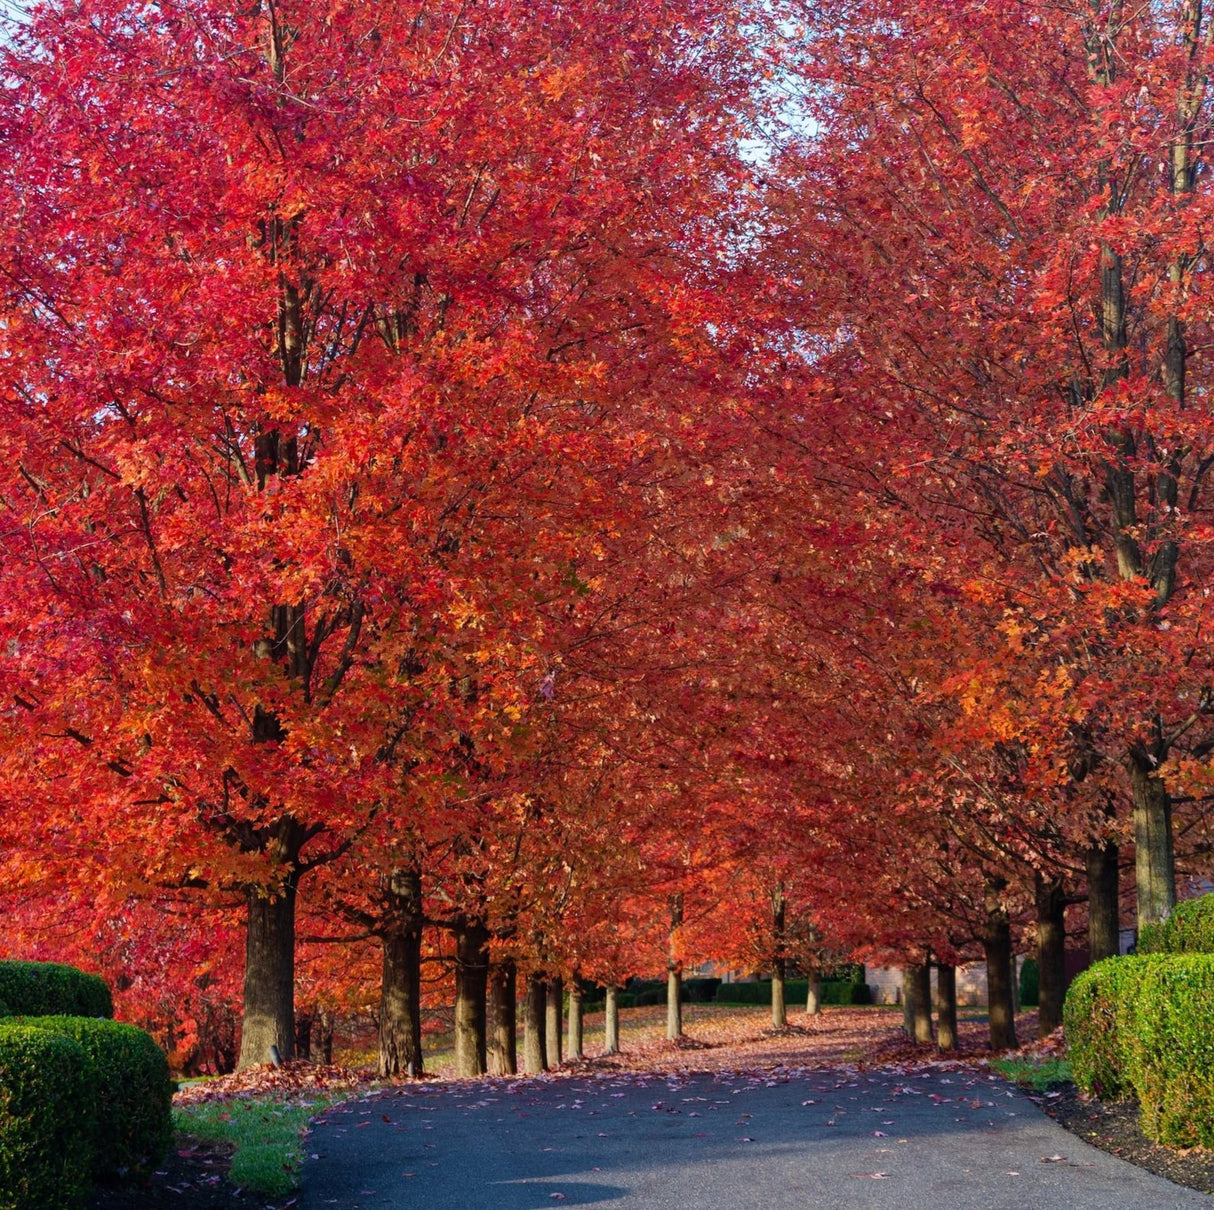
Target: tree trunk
(553, 1020)
(535, 1058)
(400, 997)
(611, 1022)
(1154, 860)
(946, 1017)
(502, 1049)
(997, 946)
(921, 1002)
(674, 974)
(471, 985)
(813, 999)
(1051, 952)
(1104, 894)
(576, 1014)
(269, 976)
(322, 1036)
(303, 1035)
(779, 966)
(908, 1002)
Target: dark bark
(997, 947)
(575, 1047)
(400, 997)
(1154, 860)
(322, 1036)
(303, 1035)
(502, 1055)
(535, 1058)
(611, 1024)
(269, 978)
(946, 1015)
(471, 986)
(1104, 912)
(553, 1017)
(908, 1002)
(1051, 952)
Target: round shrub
(1188, 930)
(1169, 1048)
(47, 1116)
(1095, 1017)
(42, 989)
(130, 1076)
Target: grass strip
(266, 1132)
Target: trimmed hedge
(1145, 1025)
(1030, 983)
(130, 1075)
(795, 992)
(1095, 1017)
(44, 989)
(1188, 930)
(47, 1116)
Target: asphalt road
(941, 1140)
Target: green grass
(1037, 1074)
(266, 1132)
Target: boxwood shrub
(134, 1093)
(47, 1116)
(1169, 1049)
(1188, 930)
(42, 989)
(1096, 1017)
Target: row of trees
(556, 494)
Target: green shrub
(650, 997)
(1030, 979)
(1096, 1016)
(1188, 930)
(1169, 1049)
(44, 989)
(47, 1117)
(700, 990)
(834, 992)
(130, 1075)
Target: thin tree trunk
(921, 1002)
(502, 1054)
(303, 1035)
(1051, 952)
(1154, 860)
(611, 1022)
(535, 1057)
(269, 977)
(553, 1020)
(674, 1003)
(574, 1049)
(322, 1036)
(908, 1001)
(997, 946)
(779, 1010)
(400, 998)
(674, 974)
(946, 1016)
(813, 998)
(471, 986)
(1104, 914)
(779, 966)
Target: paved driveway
(834, 1140)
